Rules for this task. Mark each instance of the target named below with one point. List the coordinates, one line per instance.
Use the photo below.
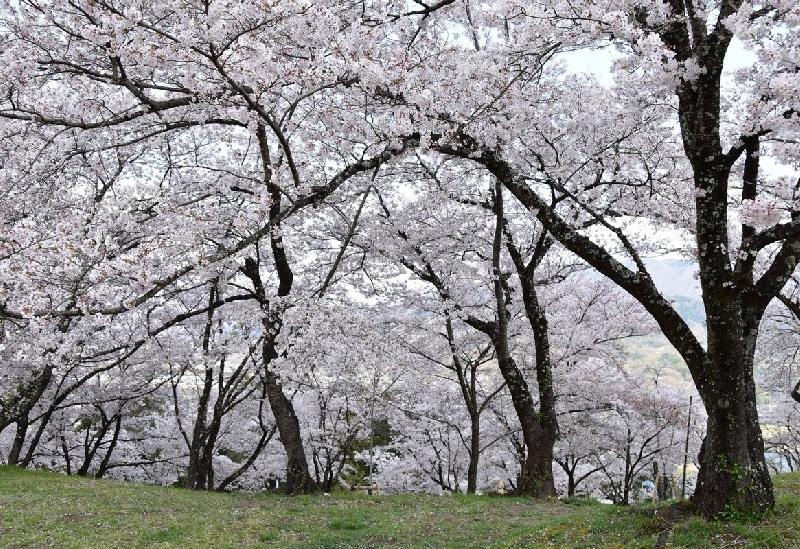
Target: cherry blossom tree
(149, 151)
(777, 370)
(191, 168)
(675, 53)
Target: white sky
(598, 62)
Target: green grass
(45, 510)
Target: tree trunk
(19, 440)
(92, 444)
(474, 453)
(103, 467)
(536, 477)
(733, 478)
(65, 450)
(627, 480)
(541, 456)
(197, 471)
(298, 476)
(44, 420)
(571, 483)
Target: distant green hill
(654, 353)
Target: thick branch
(639, 285)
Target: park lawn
(47, 510)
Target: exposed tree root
(665, 519)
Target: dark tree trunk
(102, 469)
(92, 444)
(540, 457)
(44, 420)
(18, 411)
(19, 440)
(298, 476)
(733, 473)
(197, 472)
(733, 476)
(474, 453)
(67, 458)
(536, 477)
(466, 369)
(627, 480)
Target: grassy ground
(45, 510)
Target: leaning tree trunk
(103, 467)
(298, 476)
(19, 440)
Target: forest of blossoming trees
(311, 244)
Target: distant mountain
(690, 308)
(676, 280)
(675, 277)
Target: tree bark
(474, 453)
(298, 477)
(19, 440)
(102, 469)
(536, 477)
(733, 477)
(197, 471)
(541, 456)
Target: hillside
(650, 354)
(39, 509)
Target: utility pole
(686, 450)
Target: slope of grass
(45, 510)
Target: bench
(368, 489)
